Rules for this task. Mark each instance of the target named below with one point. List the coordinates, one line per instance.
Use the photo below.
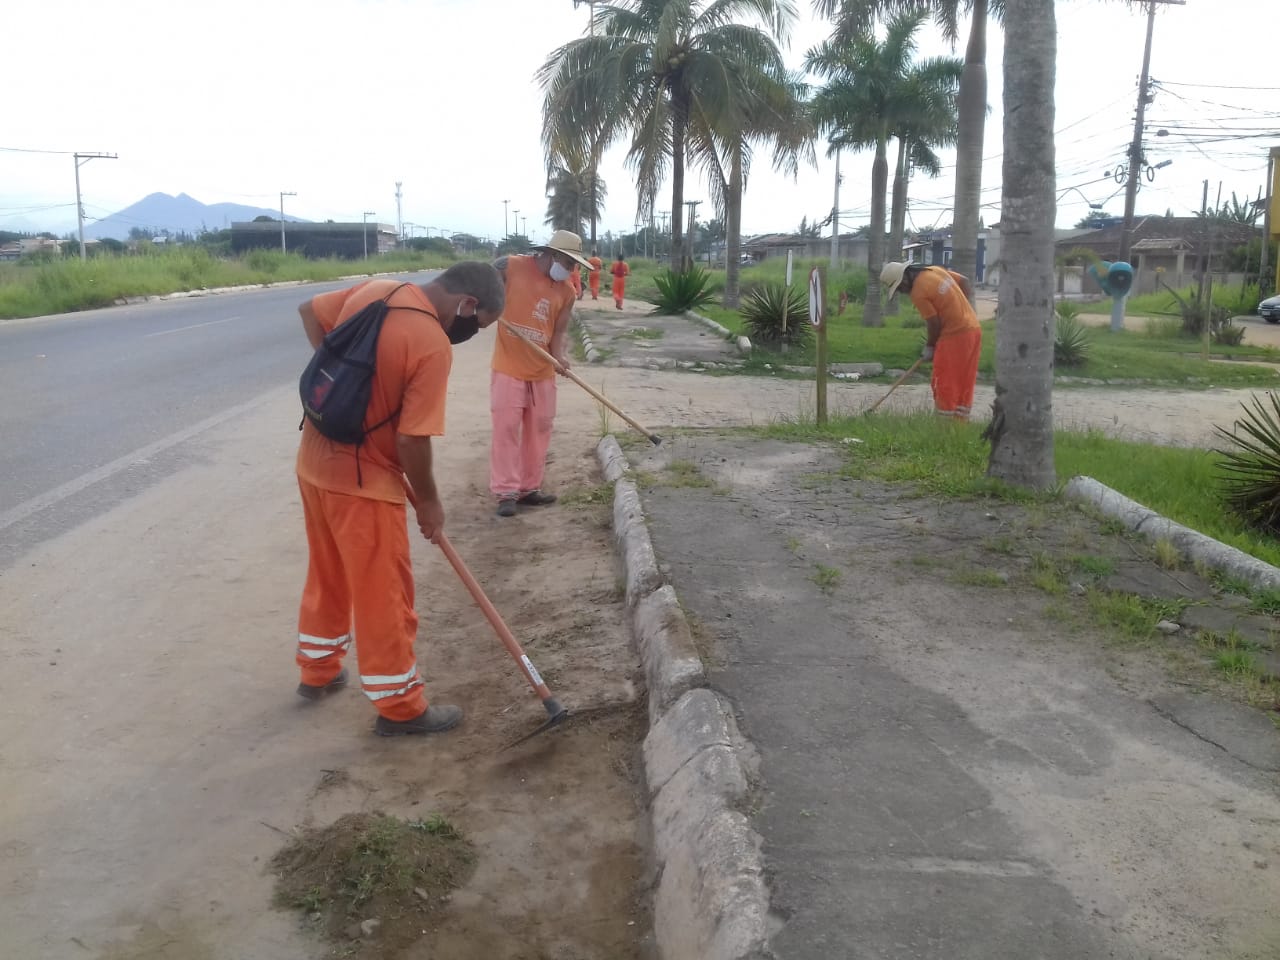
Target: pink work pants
(523, 412)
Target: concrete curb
(1191, 543)
(742, 343)
(588, 347)
(711, 900)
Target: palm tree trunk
(898, 215)
(1021, 430)
(594, 203)
(679, 119)
(972, 121)
(871, 313)
(733, 235)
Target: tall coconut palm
(929, 124)
(1021, 430)
(772, 110)
(649, 67)
(872, 89)
(854, 16)
(570, 198)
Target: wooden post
(817, 311)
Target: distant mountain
(159, 211)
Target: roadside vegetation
(39, 287)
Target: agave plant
(1070, 337)
(777, 315)
(1251, 468)
(682, 290)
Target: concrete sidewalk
(948, 769)
(633, 336)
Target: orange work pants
(955, 370)
(359, 576)
(593, 281)
(619, 288)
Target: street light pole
(81, 159)
(283, 194)
(516, 214)
(524, 227)
(367, 214)
(506, 232)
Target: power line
(1216, 86)
(33, 150)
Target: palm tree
(770, 108)
(874, 89)
(649, 68)
(854, 16)
(569, 199)
(1021, 430)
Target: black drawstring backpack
(336, 385)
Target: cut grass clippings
(948, 459)
(370, 866)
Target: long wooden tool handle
(900, 381)
(649, 434)
(488, 609)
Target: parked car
(1269, 309)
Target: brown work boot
(434, 719)
(308, 692)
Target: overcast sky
(338, 99)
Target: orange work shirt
(596, 263)
(534, 301)
(620, 268)
(412, 375)
(937, 292)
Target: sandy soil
(155, 752)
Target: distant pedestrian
(359, 583)
(954, 336)
(522, 387)
(620, 273)
(593, 279)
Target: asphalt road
(95, 406)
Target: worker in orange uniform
(954, 338)
(522, 387)
(620, 271)
(593, 279)
(359, 579)
(575, 280)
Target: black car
(1269, 309)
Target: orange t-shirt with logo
(937, 292)
(534, 301)
(412, 376)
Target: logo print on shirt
(543, 310)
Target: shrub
(679, 291)
(1070, 337)
(1251, 468)
(1228, 334)
(777, 315)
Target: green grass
(827, 578)
(980, 578)
(1162, 302)
(1132, 617)
(601, 493)
(68, 284)
(950, 460)
(1097, 566)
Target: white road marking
(72, 487)
(207, 323)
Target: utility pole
(399, 222)
(1136, 153)
(1266, 223)
(506, 231)
(524, 226)
(835, 220)
(367, 214)
(81, 159)
(283, 194)
(516, 221)
(1204, 242)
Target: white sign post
(817, 307)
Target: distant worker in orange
(359, 582)
(593, 279)
(954, 339)
(620, 271)
(575, 280)
(522, 387)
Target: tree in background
(650, 66)
(574, 195)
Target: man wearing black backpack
(359, 578)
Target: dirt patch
(371, 880)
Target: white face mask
(559, 272)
